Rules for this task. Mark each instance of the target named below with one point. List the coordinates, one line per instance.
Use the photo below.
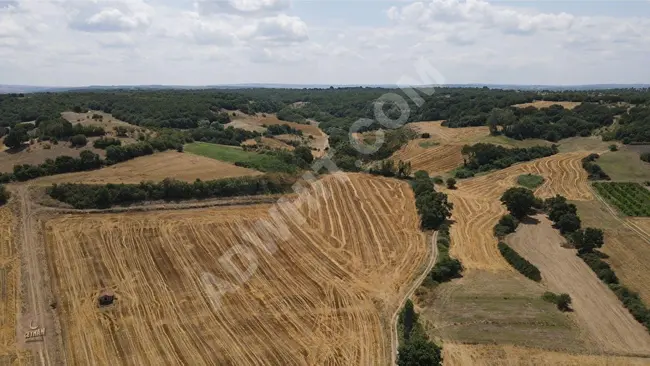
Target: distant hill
(5, 89)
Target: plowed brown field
(156, 167)
(323, 298)
(545, 104)
(489, 355)
(597, 309)
(477, 207)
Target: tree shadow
(529, 221)
(16, 150)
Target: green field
(530, 181)
(236, 155)
(428, 144)
(625, 165)
(631, 198)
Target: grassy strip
(530, 181)
(519, 263)
(248, 159)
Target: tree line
(483, 157)
(594, 170)
(84, 196)
(415, 347)
(433, 207)
(446, 267)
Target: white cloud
(280, 29)
(111, 16)
(242, 7)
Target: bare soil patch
(598, 311)
(156, 167)
(545, 104)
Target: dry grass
(486, 308)
(449, 135)
(434, 160)
(108, 122)
(324, 297)
(477, 207)
(37, 153)
(455, 354)
(545, 104)
(607, 323)
(156, 167)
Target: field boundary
(433, 256)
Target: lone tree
(451, 183)
(519, 201)
(78, 140)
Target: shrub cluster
(594, 170)
(105, 142)
(433, 207)
(563, 301)
(484, 157)
(506, 225)
(273, 130)
(446, 268)
(519, 263)
(563, 214)
(84, 196)
(646, 157)
(387, 168)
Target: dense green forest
(338, 108)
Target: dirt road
(37, 313)
(431, 262)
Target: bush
(463, 173)
(506, 225)
(426, 135)
(438, 180)
(563, 301)
(4, 195)
(105, 142)
(451, 183)
(613, 147)
(519, 263)
(568, 223)
(78, 141)
(646, 157)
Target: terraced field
(348, 251)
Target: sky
(330, 42)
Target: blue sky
(199, 42)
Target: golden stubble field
(323, 297)
(477, 207)
(156, 167)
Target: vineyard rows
(631, 198)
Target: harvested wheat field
(434, 160)
(477, 207)
(156, 167)
(626, 244)
(9, 293)
(323, 296)
(545, 104)
(448, 135)
(608, 324)
(455, 354)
